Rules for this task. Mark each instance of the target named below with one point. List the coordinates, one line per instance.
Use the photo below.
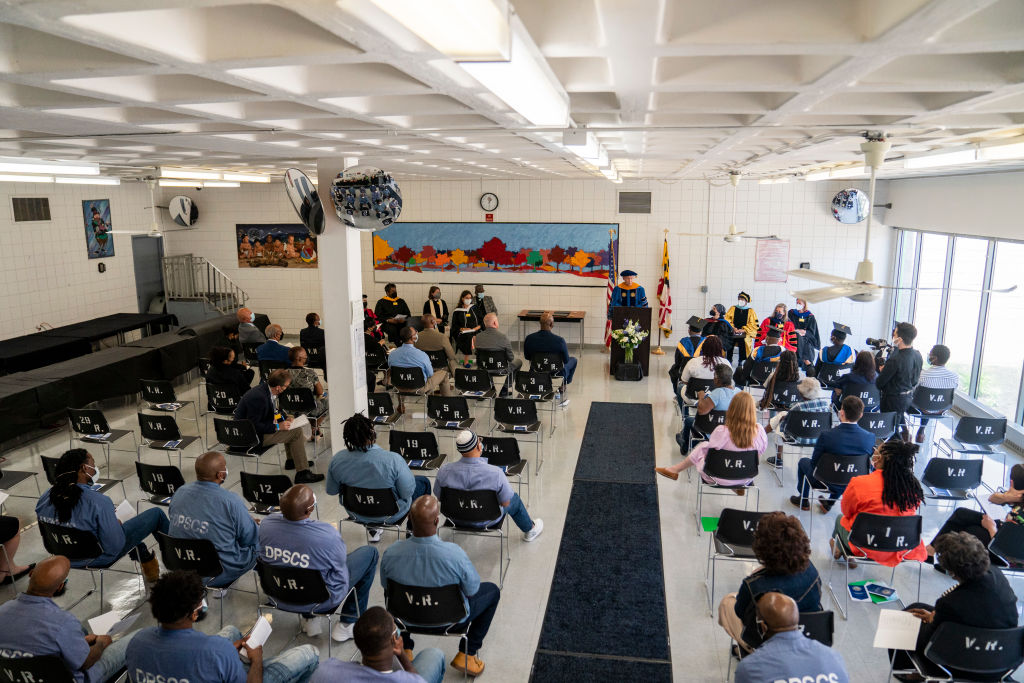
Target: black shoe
(774, 460)
(307, 477)
(825, 506)
(289, 464)
(799, 502)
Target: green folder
(709, 524)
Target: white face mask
(741, 303)
(467, 302)
(225, 474)
(252, 317)
(95, 475)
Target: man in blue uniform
(629, 293)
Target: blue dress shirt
(203, 509)
(408, 356)
(475, 474)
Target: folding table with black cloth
(32, 351)
(27, 403)
(176, 354)
(114, 325)
(102, 374)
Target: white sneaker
(564, 404)
(374, 535)
(341, 632)
(312, 627)
(531, 535)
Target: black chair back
(408, 379)
(886, 533)
(159, 427)
(87, 421)
(830, 373)
(760, 370)
(735, 465)
(437, 606)
(197, 555)
(268, 366)
(1008, 544)
(292, 585)
(50, 468)
(838, 470)
(819, 626)
(376, 358)
(472, 380)
(807, 426)
(932, 401)
(251, 351)
(236, 433)
(534, 384)
(157, 391)
(705, 424)
(501, 451)
(49, 668)
(737, 527)
(316, 357)
(494, 362)
(953, 473)
(882, 425)
(784, 394)
(550, 363)
(867, 393)
(379, 406)
(695, 384)
(987, 652)
(222, 398)
(438, 359)
(159, 480)
(204, 367)
(464, 507)
(298, 400)
(369, 502)
(448, 409)
(980, 431)
(515, 411)
(264, 489)
(74, 544)
(414, 445)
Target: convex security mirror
(183, 211)
(850, 206)
(366, 198)
(305, 200)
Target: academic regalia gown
(810, 342)
(789, 335)
(633, 296)
(745, 320)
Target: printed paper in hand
(302, 422)
(101, 625)
(260, 633)
(897, 630)
(124, 511)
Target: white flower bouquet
(629, 338)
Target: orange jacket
(864, 494)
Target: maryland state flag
(664, 295)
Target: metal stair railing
(193, 278)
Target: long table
(113, 325)
(528, 315)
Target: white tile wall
(45, 272)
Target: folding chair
(240, 438)
(802, 431)
(722, 464)
(990, 654)
(538, 387)
(376, 360)
(316, 358)
(497, 364)
(381, 410)
(731, 541)
(438, 359)
(50, 471)
(251, 353)
(91, 426)
(833, 471)
(693, 386)
(78, 544)
(867, 393)
(268, 366)
(437, 611)
(203, 365)
(881, 533)
(160, 397)
(882, 425)
(161, 433)
(301, 401)
(550, 363)
(784, 395)
(287, 586)
(953, 479)
(518, 416)
(704, 424)
(931, 403)
(819, 626)
(263, 491)
(197, 555)
(9, 478)
(409, 382)
(760, 371)
(465, 510)
(419, 450)
(371, 503)
(503, 452)
(476, 385)
(1008, 546)
(449, 413)
(221, 399)
(159, 481)
(976, 436)
(49, 668)
(830, 373)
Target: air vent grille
(31, 209)
(634, 202)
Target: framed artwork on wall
(275, 245)
(99, 240)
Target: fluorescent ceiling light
(89, 180)
(14, 178)
(963, 156)
(20, 165)
(772, 181)
(246, 178)
(524, 82)
(465, 30)
(178, 183)
(848, 172)
(817, 175)
(220, 183)
(188, 174)
(998, 152)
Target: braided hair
(358, 433)
(65, 494)
(900, 488)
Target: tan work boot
(470, 664)
(151, 570)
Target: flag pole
(611, 276)
(656, 351)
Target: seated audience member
(936, 376)
(408, 356)
(491, 339)
(982, 598)
(741, 432)
(484, 303)
(436, 307)
(849, 438)
(312, 335)
(716, 399)
(465, 326)
(289, 538)
(205, 509)
(689, 346)
(836, 354)
(72, 502)
(35, 626)
(892, 489)
(545, 340)
(392, 311)
(784, 551)
(259, 406)
(273, 349)
(786, 371)
(371, 325)
(701, 366)
(787, 654)
(303, 377)
(366, 465)
(10, 538)
(426, 561)
(811, 402)
(380, 644)
(715, 324)
(980, 524)
(247, 332)
(769, 351)
(862, 374)
(175, 651)
(229, 338)
(778, 319)
(473, 473)
(224, 371)
(430, 338)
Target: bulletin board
(771, 261)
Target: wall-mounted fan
(182, 209)
(734, 234)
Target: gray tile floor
(699, 646)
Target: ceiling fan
(733, 235)
(183, 212)
(862, 287)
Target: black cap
(695, 323)
(626, 273)
(774, 332)
(839, 327)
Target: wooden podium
(642, 354)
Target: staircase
(193, 284)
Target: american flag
(664, 295)
(611, 288)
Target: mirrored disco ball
(366, 198)
(850, 206)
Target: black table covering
(103, 374)
(176, 354)
(27, 402)
(111, 325)
(34, 351)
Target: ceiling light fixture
(187, 174)
(17, 178)
(220, 183)
(999, 152)
(850, 172)
(89, 180)
(178, 183)
(246, 178)
(25, 165)
(465, 30)
(963, 156)
(817, 175)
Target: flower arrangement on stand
(629, 338)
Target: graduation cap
(696, 323)
(774, 331)
(628, 273)
(841, 329)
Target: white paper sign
(124, 511)
(897, 630)
(771, 261)
(260, 633)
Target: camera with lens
(878, 344)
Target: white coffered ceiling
(672, 88)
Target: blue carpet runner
(606, 618)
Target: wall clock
(488, 201)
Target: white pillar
(341, 279)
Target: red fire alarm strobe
(489, 217)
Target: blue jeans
(429, 664)
(482, 606)
(687, 429)
(112, 659)
(362, 567)
(569, 369)
(804, 480)
(139, 527)
(295, 665)
(517, 511)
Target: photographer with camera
(899, 374)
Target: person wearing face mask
(175, 651)
(72, 502)
(900, 374)
(408, 356)
(778, 320)
(808, 338)
(743, 319)
(371, 325)
(393, 311)
(43, 629)
(312, 336)
(483, 303)
(715, 324)
(248, 333)
(437, 307)
(465, 325)
(289, 538)
(205, 509)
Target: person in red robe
(777, 319)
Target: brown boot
(151, 570)
(471, 664)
